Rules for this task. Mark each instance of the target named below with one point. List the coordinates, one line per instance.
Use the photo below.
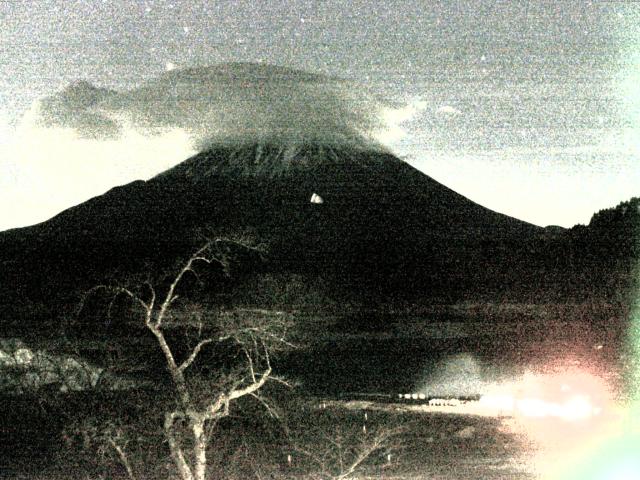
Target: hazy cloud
(77, 107)
(84, 140)
(239, 102)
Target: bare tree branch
(194, 354)
(268, 408)
(250, 362)
(169, 298)
(253, 387)
(122, 456)
(281, 381)
(116, 290)
(370, 447)
(341, 458)
(176, 374)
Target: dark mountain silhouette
(378, 233)
(378, 237)
(612, 233)
(383, 228)
(604, 254)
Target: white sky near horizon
(531, 110)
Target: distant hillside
(614, 233)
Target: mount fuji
(333, 209)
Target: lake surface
(451, 358)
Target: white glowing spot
(569, 396)
(448, 110)
(23, 356)
(186, 30)
(169, 66)
(498, 403)
(315, 198)
(577, 408)
(533, 407)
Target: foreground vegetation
(82, 436)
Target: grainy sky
(529, 108)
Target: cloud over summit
(83, 140)
(77, 107)
(238, 102)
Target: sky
(529, 108)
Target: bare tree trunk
(176, 451)
(199, 449)
(176, 374)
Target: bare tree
(253, 334)
(341, 455)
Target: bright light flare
(569, 396)
(566, 416)
(578, 407)
(501, 404)
(557, 412)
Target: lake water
(452, 358)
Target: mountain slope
(382, 224)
